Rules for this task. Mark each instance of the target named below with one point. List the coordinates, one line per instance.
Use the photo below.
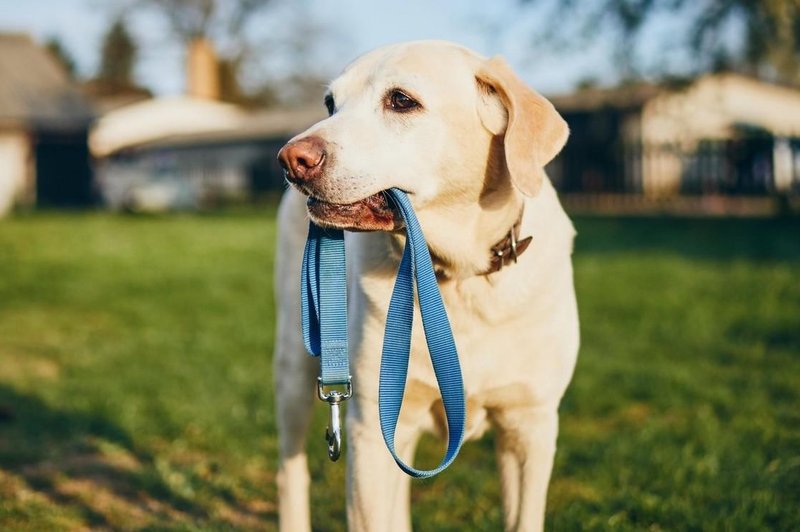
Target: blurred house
(722, 134)
(44, 124)
(191, 151)
(106, 96)
(187, 152)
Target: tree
(62, 55)
(222, 22)
(287, 76)
(768, 29)
(303, 55)
(118, 56)
(217, 20)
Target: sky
(350, 27)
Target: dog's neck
(475, 239)
(503, 253)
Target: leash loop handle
(416, 268)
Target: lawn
(135, 381)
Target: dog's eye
(330, 104)
(400, 101)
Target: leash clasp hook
(333, 433)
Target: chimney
(202, 70)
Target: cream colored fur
(470, 159)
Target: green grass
(135, 381)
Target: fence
(750, 166)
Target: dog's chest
(516, 335)
(495, 343)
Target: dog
(468, 141)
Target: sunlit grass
(135, 381)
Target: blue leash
(324, 316)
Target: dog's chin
(373, 213)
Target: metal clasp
(333, 433)
(513, 236)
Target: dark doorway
(63, 171)
(266, 174)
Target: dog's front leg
(377, 490)
(526, 448)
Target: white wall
(14, 155)
(710, 109)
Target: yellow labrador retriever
(468, 140)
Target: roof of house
(716, 105)
(709, 106)
(106, 96)
(592, 98)
(158, 118)
(270, 124)
(34, 89)
(184, 122)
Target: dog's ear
(534, 131)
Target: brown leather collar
(502, 253)
(509, 248)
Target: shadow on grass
(91, 469)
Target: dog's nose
(303, 159)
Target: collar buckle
(509, 248)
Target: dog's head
(430, 118)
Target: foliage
(769, 29)
(57, 49)
(248, 75)
(136, 392)
(118, 56)
(221, 23)
(207, 19)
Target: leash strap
(324, 316)
(416, 265)
(323, 303)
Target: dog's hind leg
(294, 372)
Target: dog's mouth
(373, 213)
